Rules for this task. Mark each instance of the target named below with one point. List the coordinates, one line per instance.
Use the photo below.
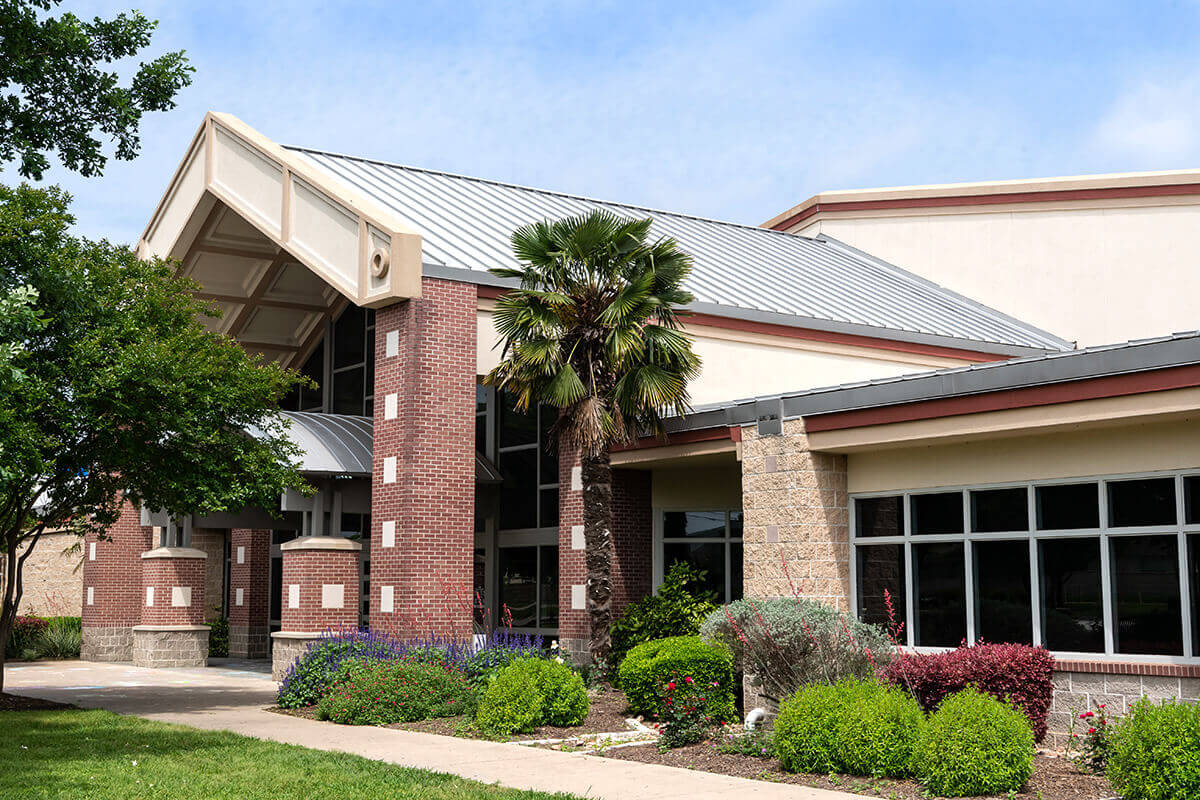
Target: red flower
(671, 686)
(688, 679)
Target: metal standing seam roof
(740, 270)
(1139, 355)
(332, 444)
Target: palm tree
(594, 331)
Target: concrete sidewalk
(232, 699)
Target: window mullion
(1106, 588)
(910, 604)
(969, 577)
(1185, 596)
(1035, 582)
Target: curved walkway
(232, 698)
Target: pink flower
(688, 679)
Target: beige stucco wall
(683, 488)
(1100, 451)
(52, 579)
(739, 365)
(1096, 273)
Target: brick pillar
(423, 483)
(172, 632)
(574, 629)
(633, 538)
(249, 586)
(320, 592)
(112, 587)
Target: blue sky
(730, 110)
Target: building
(999, 483)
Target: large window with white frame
(710, 541)
(1105, 566)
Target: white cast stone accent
(91, 595)
(241, 555)
(149, 595)
(237, 596)
(387, 596)
(389, 469)
(392, 344)
(390, 405)
(181, 596)
(91, 551)
(389, 534)
(294, 595)
(577, 540)
(578, 597)
(576, 479)
(333, 595)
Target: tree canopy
(57, 95)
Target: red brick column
(112, 587)
(423, 484)
(172, 632)
(574, 629)
(249, 587)
(633, 538)
(320, 592)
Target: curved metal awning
(336, 444)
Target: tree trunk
(598, 552)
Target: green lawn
(95, 754)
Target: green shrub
(806, 728)
(385, 692)
(974, 744)
(218, 637)
(62, 638)
(22, 638)
(877, 733)
(786, 643)
(676, 608)
(530, 692)
(1155, 752)
(649, 666)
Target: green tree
(113, 390)
(594, 331)
(55, 94)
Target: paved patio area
(232, 695)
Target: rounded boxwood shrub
(1155, 752)
(530, 692)
(877, 731)
(974, 744)
(649, 666)
(384, 692)
(805, 730)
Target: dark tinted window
(1194, 573)
(1191, 500)
(994, 510)
(1147, 501)
(518, 493)
(939, 585)
(878, 516)
(348, 392)
(1072, 619)
(548, 498)
(880, 580)
(349, 338)
(549, 587)
(735, 524)
(735, 570)
(694, 524)
(1145, 572)
(1066, 507)
(1004, 610)
(314, 367)
(516, 427)
(937, 513)
(519, 585)
(706, 556)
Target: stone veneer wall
(212, 542)
(796, 527)
(1077, 690)
(52, 579)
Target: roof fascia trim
(357, 246)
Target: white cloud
(1153, 125)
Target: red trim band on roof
(813, 335)
(998, 198)
(1089, 389)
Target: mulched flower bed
(1053, 778)
(607, 714)
(15, 702)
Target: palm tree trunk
(598, 552)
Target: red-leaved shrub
(24, 635)
(1017, 671)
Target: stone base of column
(286, 647)
(170, 645)
(578, 649)
(249, 641)
(107, 644)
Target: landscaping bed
(1053, 778)
(16, 702)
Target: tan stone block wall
(212, 542)
(52, 578)
(797, 517)
(1076, 692)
